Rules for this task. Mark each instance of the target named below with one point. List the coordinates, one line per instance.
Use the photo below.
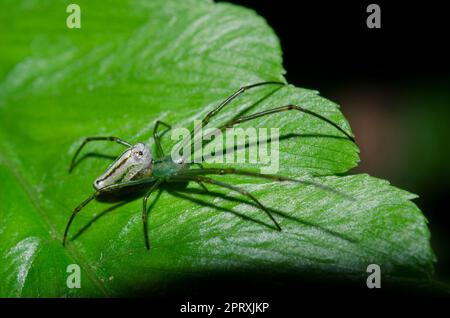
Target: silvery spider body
(137, 163)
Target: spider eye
(140, 153)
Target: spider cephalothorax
(135, 162)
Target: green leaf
(130, 64)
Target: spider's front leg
(157, 136)
(145, 212)
(110, 188)
(219, 107)
(74, 213)
(101, 138)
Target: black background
(328, 42)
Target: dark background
(393, 85)
(327, 44)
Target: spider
(138, 166)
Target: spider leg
(145, 212)
(273, 177)
(74, 213)
(241, 90)
(89, 139)
(234, 188)
(282, 109)
(97, 193)
(219, 107)
(202, 185)
(157, 136)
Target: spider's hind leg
(284, 109)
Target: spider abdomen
(167, 168)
